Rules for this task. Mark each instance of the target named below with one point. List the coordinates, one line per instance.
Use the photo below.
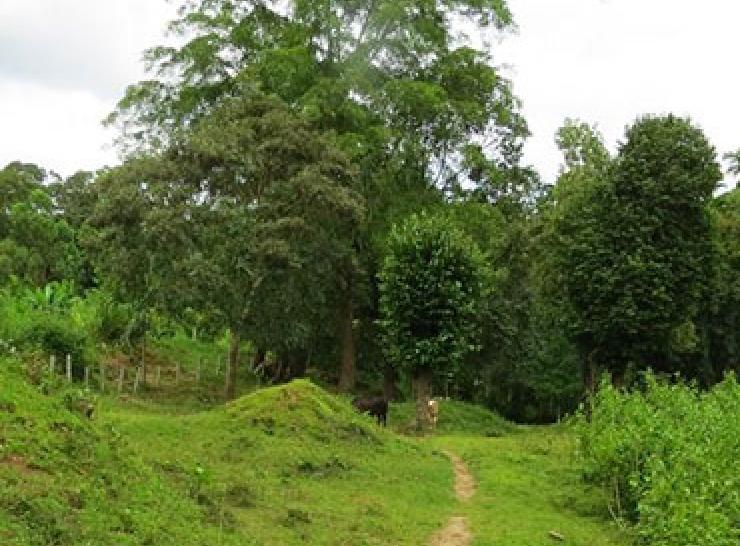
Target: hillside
(284, 465)
(66, 480)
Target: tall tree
(723, 315)
(633, 245)
(250, 214)
(398, 83)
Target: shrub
(57, 335)
(669, 455)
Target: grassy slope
(285, 465)
(527, 487)
(66, 481)
(294, 465)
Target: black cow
(376, 406)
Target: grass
(65, 480)
(284, 465)
(294, 465)
(459, 418)
(527, 487)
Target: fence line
(138, 377)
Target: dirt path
(457, 532)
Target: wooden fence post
(69, 368)
(87, 377)
(121, 376)
(52, 365)
(102, 378)
(136, 380)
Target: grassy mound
(293, 465)
(455, 417)
(303, 408)
(66, 480)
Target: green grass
(283, 465)
(67, 481)
(294, 465)
(459, 418)
(527, 487)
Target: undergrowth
(668, 454)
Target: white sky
(64, 63)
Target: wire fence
(119, 378)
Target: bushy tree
(250, 215)
(632, 246)
(433, 288)
(36, 245)
(723, 313)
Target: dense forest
(338, 189)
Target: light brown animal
(433, 409)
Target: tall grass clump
(669, 455)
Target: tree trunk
(389, 383)
(143, 360)
(347, 372)
(258, 358)
(422, 384)
(233, 366)
(589, 374)
(589, 381)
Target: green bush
(57, 335)
(669, 455)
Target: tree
(633, 246)
(36, 246)
(249, 215)
(723, 315)
(403, 92)
(733, 160)
(574, 241)
(433, 286)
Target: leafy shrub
(57, 335)
(114, 320)
(669, 455)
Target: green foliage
(55, 335)
(250, 217)
(433, 287)
(43, 319)
(631, 243)
(668, 455)
(36, 245)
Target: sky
(64, 64)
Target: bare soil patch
(457, 532)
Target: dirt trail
(457, 532)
